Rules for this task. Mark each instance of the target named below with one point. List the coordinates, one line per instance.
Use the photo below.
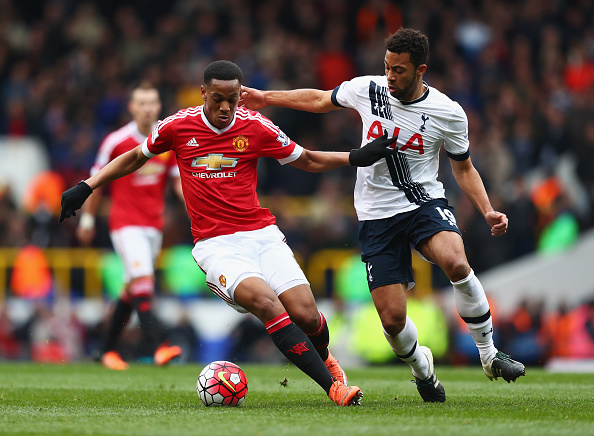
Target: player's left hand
(497, 221)
(73, 199)
(373, 151)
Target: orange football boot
(345, 395)
(113, 360)
(335, 369)
(166, 354)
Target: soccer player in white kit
(237, 244)
(135, 227)
(399, 200)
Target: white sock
(407, 349)
(473, 308)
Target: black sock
(320, 338)
(296, 346)
(148, 323)
(121, 315)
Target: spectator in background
(136, 222)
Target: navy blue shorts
(385, 243)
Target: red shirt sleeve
(162, 138)
(273, 141)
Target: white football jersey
(408, 179)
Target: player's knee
(306, 320)
(141, 287)
(457, 268)
(394, 323)
(264, 307)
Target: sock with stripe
(121, 315)
(296, 346)
(320, 338)
(142, 291)
(473, 308)
(407, 349)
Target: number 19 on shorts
(447, 215)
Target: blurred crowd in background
(522, 70)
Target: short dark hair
(409, 41)
(144, 85)
(222, 70)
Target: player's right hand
(73, 199)
(252, 98)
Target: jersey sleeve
(161, 138)
(275, 143)
(456, 137)
(346, 94)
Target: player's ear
(203, 92)
(421, 70)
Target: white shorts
(229, 259)
(138, 247)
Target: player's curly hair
(222, 70)
(409, 41)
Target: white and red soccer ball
(222, 383)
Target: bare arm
(74, 198)
(121, 166)
(471, 184)
(319, 161)
(309, 100)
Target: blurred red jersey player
(135, 225)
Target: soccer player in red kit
(237, 244)
(135, 226)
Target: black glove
(372, 152)
(73, 199)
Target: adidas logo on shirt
(192, 143)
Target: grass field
(87, 399)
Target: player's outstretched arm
(319, 161)
(309, 100)
(127, 163)
(85, 231)
(470, 182)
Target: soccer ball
(222, 383)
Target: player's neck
(418, 92)
(144, 129)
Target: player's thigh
(226, 263)
(446, 250)
(254, 294)
(137, 248)
(277, 262)
(386, 252)
(286, 278)
(436, 236)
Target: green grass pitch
(85, 399)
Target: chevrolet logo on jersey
(215, 161)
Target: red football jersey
(138, 198)
(218, 167)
